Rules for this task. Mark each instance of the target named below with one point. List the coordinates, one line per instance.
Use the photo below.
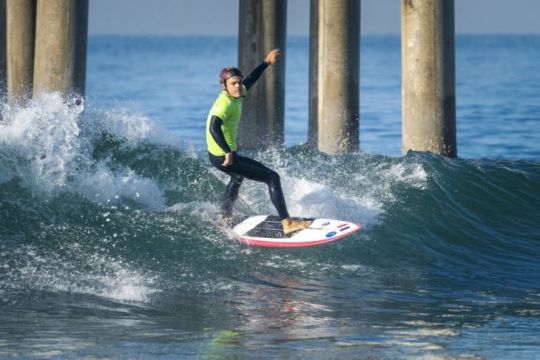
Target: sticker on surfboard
(266, 230)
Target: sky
(220, 17)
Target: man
(221, 126)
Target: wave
(105, 203)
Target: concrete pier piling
(428, 71)
(262, 27)
(61, 41)
(313, 126)
(3, 50)
(337, 76)
(43, 48)
(21, 24)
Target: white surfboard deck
(266, 230)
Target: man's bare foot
(290, 225)
(225, 221)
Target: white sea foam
(133, 127)
(103, 185)
(48, 144)
(413, 175)
(313, 199)
(42, 141)
(369, 190)
(80, 273)
(202, 209)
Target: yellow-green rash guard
(229, 110)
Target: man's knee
(273, 177)
(237, 180)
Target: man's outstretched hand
(272, 56)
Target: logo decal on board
(330, 234)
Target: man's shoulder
(222, 103)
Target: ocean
(108, 243)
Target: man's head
(231, 81)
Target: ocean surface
(108, 243)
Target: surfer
(221, 126)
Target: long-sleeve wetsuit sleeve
(254, 75)
(217, 133)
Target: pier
(45, 51)
(61, 42)
(44, 42)
(3, 50)
(335, 75)
(21, 28)
(428, 76)
(262, 27)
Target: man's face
(234, 86)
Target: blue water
(171, 80)
(108, 247)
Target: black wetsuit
(243, 167)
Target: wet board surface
(266, 230)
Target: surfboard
(266, 230)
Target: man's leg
(254, 170)
(243, 167)
(231, 194)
